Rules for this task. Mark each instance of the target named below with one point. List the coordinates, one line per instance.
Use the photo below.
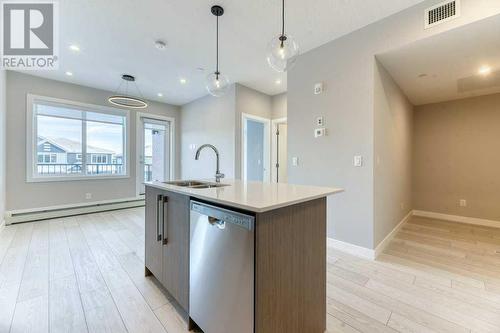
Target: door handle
(165, 220)
(159, 216)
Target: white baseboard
(383, 244)
(457, 218)
(355, 250)
(364, 252)
(27, 215)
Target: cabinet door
(153, 232)
(176, 247)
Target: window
(74, 140)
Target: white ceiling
(117, 36)
(451, 61)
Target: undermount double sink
(196, 184)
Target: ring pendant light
(126, 100)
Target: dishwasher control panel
(244, 221)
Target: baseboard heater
(45, 213)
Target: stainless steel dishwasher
(221, 292)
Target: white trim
(33, 214)
(31, 141)
(267, 144)
(457, 218)
(2, 225)
(139, 142)
(383, 244)
(274, 143)
(355, 250)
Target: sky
(101, 135)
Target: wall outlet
(295, 161)
(463, 203)
(358, 161)
(320, 121)
(319, 132)
(88, 196)
(192, 146)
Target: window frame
(31, 138)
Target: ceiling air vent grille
(441, 13)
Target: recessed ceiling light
(159, 94)
(484, 70)
(278, 81)
(160, 45)
(74, 47)
(182, 80)
(68, 73)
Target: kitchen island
(240, 256)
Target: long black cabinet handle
(165, 220)
(159, 217)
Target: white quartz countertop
(253, 196)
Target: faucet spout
(218, 174)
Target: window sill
(70, 179)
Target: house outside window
(62, 132)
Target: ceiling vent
(442, 12)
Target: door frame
(274, 144)
(267, 145)
(139, 138)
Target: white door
(255, 149)
(154, 155)
(281, 153)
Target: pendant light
(125, 100)
(217, 83)
(282, 50)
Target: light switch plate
(318, 88)
(295, 161)
(358, 161)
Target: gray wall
(218, 121)
(23, 195)
(278, 106)
(346, 67)
(456, 157)
(393, 126)
(2, 144)
(208, 120)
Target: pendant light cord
(283, 37)
(217, 51)
(283, 18)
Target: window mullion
(84, 144)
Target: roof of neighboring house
(71, 146)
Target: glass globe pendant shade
(282, 52)
(217, 84)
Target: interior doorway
(154, 150)
(255, 148)
(280, 151)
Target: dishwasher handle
(216, 222)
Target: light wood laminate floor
(86, 274)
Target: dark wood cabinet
(167, 242)
(175, 276)
(154, 246)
